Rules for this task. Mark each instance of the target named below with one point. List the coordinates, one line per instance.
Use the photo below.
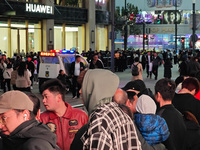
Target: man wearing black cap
(19, 129)
(139, 87)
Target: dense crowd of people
(132, 117)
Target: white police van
(55, 60)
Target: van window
(52, 60)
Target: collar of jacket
(66, 115)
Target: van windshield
(51, 60)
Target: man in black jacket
(164, 92)
(76, 67)
(19, 129)
(96, 62)
(156, 62)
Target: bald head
(120, 96)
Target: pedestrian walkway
(124, 78)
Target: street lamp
(176, 26)
(125, 29)
(194, 26)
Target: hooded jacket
(98, 88)
(30, 135)
(108, 124)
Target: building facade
(42, 25)
(159, 19)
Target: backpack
(134, 70)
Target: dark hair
(36, 102)
(77, 56)
(32, 116)
(22, 68)
(131, 95)
(54, 85)
(136, 59)
(60, 71)
(191, 84)
(95, 55)
(179, 80)
(166, 88)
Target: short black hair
(32, 115)
(77, 56)
(131, 95)
(54, 85)
(95, 54)
(36, 102)
(136, 59)
(60, 71)
(166, 88)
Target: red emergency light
(55, 51)
(48, 54)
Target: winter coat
(23, 81)
(153, 128)
(193, 68)
(193, 135)
(30, 135)
(167, 70)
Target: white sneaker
(74, 97)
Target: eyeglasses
(3, 118)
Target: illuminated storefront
(32, 25)
(159, 19)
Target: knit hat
(15, 100)
(145, 105)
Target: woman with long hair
(23, 81)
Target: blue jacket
(153, 128)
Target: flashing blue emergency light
(64, 51)
(71, 51)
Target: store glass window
(101, 38)
(3, 36)
(74, 37)
(58, 37)
(34, 37)
(18, 36)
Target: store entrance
(18, 40)
(24, 40)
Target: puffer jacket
(153, 128)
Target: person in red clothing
(62, 119)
